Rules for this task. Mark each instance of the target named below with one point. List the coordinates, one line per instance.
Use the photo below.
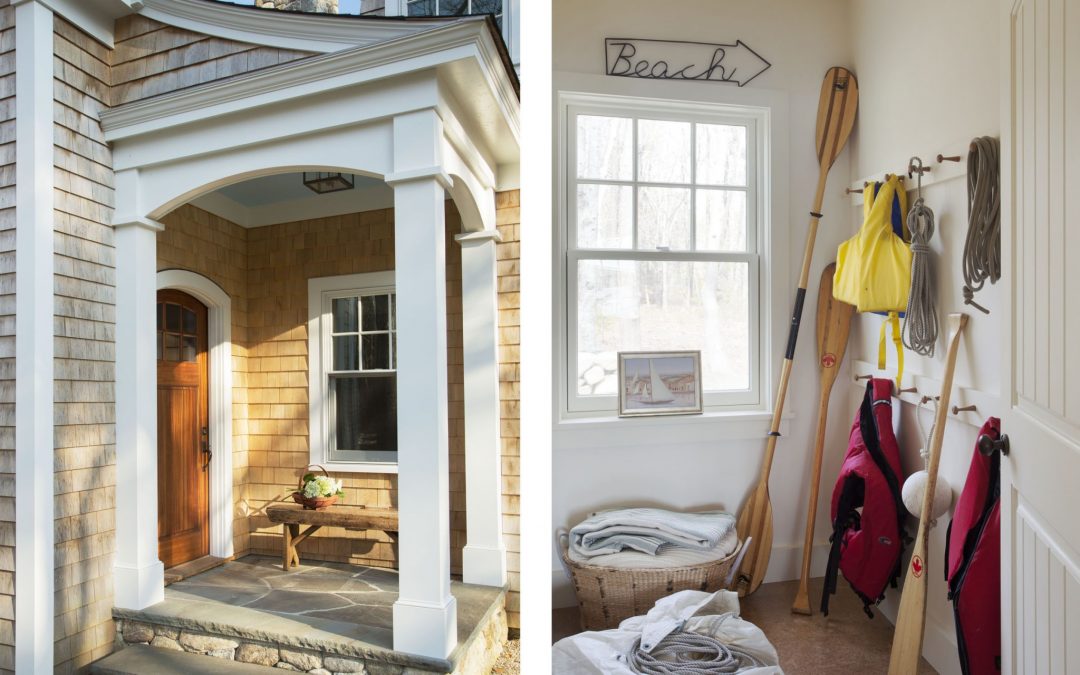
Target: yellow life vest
(873, 268)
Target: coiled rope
(982, 249)
(920, 320)
(691, 654)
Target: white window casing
(321, 293)
(755, 255)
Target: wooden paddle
(911, 620)
(836, 115)
(833, 324)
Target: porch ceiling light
(324, 182)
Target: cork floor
(844, 643)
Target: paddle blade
(836, 113)
(833, 325)
(755, 520)
(911, 619)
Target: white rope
(691, 654)
(920, 320)
(982, 249)
(924, 451)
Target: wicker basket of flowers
(317, 492)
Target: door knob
(987, 445)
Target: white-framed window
(661, 235)
(352, 378)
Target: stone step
(141, 659)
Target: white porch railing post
(138, 575)
(425, 614)
(484, 557)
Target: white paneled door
(1041, 256)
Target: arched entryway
(420, 178)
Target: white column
(138, 575)
(34, 306)
(484, 557)
(425, 614)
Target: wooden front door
(183, 435)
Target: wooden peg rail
(968, 408)
(909, 390)
(951, 158)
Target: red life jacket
(867, 544)
(973, 562)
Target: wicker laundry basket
(608, 595)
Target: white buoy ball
(913, 490)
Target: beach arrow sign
(679, 60)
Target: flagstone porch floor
(320, 617)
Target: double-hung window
(352, 360)
(662, 234)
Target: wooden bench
(292, 516)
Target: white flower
(321, 486)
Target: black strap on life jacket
(868, 427)
(847, 517)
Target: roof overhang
(465, 57)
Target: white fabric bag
(713, 614)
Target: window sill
(709, 427)
(359, 467)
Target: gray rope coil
(691, 654)
(982, 249)
(920, 320)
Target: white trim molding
(319, 345)
(35, 532)
(219, 338)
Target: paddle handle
(802, 595)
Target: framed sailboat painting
(659, 383)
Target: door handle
(987, 445)
(205, 432)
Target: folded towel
(648, 531)
(666, 558)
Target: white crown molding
(285, 30)
(463, 39)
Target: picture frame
(660, 383)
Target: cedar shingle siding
(7, 337)
(152, 58)
(264, 271)
(85, 357)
